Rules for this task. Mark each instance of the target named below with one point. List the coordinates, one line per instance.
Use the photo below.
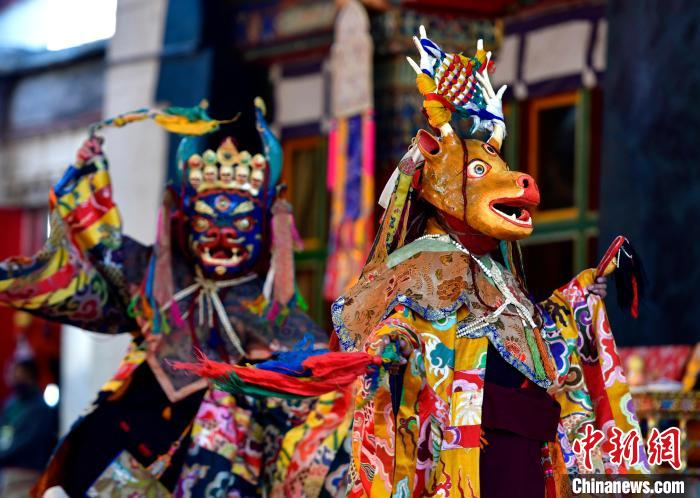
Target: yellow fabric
(183, 126)
(95, 233)
(54, 262)
(438, 115)
(692, 370)
(428, 405)
(133, 358)
(83, 191)
(101, 219)
(78, 282)
(306, 449)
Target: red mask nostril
(525, 181)
(229, 236)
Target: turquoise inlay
(400, 255)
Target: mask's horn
(498, 134)
(271, 145)
(446, 129)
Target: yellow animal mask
(469, 175)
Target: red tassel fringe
(329, 372)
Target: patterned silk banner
(351, 183)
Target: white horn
(499, 133)
(446, 129)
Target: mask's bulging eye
(201, 224)
(477, 169)
(243, 224)
(490, 149)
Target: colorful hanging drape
(351, 183)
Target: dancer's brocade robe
(426, 293)
(193, 440)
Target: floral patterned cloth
(591, 386)
(432, 446)
(226, 450)
(310, 450)
(434, 441)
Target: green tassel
(504, 252)
(536, 359)
(282, 315)
(131, 309)
(301, 302)
(234, 385)
(165, 326)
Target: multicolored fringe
(300, 373)
(351, 183)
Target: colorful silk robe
(90, 275)
(314, 459)
(435, 296)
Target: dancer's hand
(395, 352)
(599, 287)
(91, 147)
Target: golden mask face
(498, 201)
